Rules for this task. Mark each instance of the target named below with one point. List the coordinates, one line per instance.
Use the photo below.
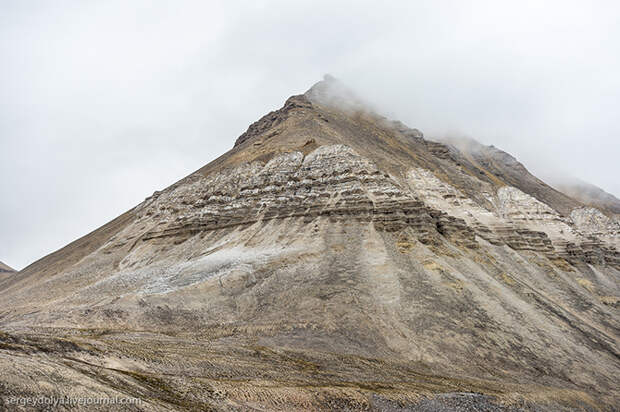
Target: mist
(105, 102)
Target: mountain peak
(327, 95)
(334, 93)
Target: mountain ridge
(590, 195)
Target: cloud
(104, 103)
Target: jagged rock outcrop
(332, 181)
(272, 119)
(332, 260)
(592, 221)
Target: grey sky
(104, 102)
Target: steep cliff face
(333, 259)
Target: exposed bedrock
(333, 181)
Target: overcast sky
(104, 102)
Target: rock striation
(332, 182)
(331, 260)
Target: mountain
(333, 259)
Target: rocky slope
(332, 260)
(5, 268)
(5, 271)
(590, 195)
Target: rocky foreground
(332, 260)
